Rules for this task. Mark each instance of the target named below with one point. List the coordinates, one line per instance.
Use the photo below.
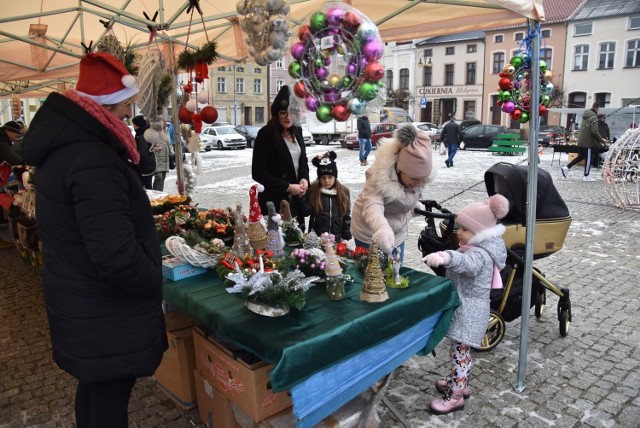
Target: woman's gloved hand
(385, 238)
(437, 259)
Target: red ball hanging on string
(185, 116)
(516, 114)
(209, 114)
(542, 110)
(188, 88)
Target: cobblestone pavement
(589, 378)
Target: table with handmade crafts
(331, 320)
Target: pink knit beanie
(478, 216)
(414, 158)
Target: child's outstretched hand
(437, 259)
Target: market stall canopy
(41, 42)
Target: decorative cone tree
(373, 286)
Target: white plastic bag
(442, 150)
(461, 145)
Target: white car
(221, 137)
(307, 137)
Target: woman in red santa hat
(102, 271)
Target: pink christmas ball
(508, 106)
(322, 73)
(335, 15)
(372, 50)
(351, 68)
(297, 50)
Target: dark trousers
(104, 404)
(147, 181)
(586, 154)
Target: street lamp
(421, 64)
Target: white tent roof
(41, 41)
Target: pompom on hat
(414, 158)
(105, 79)
(281, 102)
(479, 216)
(326, 164)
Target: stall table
(330, 351)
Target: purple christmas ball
(327, 61)
(297, 50)
(517, 84)
(351, 68)
(372, 50)
(508, 106)
(335, 15)
(322, 73)
(311, 103)
(332, 95)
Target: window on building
(257, 86)
(471, 73)
(222, 68)
(259, 114)
(451, 50)
(469, 109)
(279, 85)
(426, 76)
(545, 33)
(634, 23)
(448, 74)
(581, 57)
(584, 29)
(607, 53)
(257, 70)
(518, 36)
(546, 55)
(603, 99)
(498, 38)
(389, 80)
(577, 100)
(404, 79)
(240, 85)
(633, 53)
(279, 63)
(427, 53)
(472, 48)
(222, 85)
(498, 62)
(239, 69)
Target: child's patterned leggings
(460, 356)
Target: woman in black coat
(102, 270)
(280, 160)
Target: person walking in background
(280, 162)
(161, 144)
(475, 269)
(605, 133)
(589, 140)
(102, 273)
(451, 136)
(391, 190)
(10, 133)
(330, 200)
(147, 165)
(364, 139)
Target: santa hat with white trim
(105, 79)
(257, 228)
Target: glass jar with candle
(335, 287)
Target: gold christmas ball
(334, 80)
(548, 75)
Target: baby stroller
(552, 225)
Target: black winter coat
(272, 166)
(147, 164)
(364, 127)
(451, 133)
(6, 150)
(330, 220)
(102, 270)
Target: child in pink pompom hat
(475, 268)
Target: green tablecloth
(302, 343)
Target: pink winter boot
(443, 384)
(451, 400)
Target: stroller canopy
(511, 182)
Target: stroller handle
(447, 215)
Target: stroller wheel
(541, 300)
(564, 316)
(495, 331)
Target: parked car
(379, 130)
(463, 124)
(548, 134)
(250, 132)
(481, 136)
(427, 127)
(221, 137)
(307, 137)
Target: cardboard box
(175, 319)
(174, 376)
(214, 408)
(245, 384)
(175, 269)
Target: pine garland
(207, 53)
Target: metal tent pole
(177, 131)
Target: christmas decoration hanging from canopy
(515, 85)
(265, 28)
(337, 64)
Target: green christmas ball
(504, 95)
(347, 81)
(318, 21)
(294, 69)
(516, 61)
(319, 61)
(323, 113)
(543, 65)
(524, 118)
(368, 91)
(545, 100)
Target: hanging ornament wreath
(266, 29)
(514, 86)
(337, 64)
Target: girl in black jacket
(329, 200)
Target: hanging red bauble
(187, 88)
(340, 112)
(185, 116)
(299, 89)
(202, 71)
(516, 114)
(197, 123)
(505, 83)
(374, 71)
(542, 110)
(209, 114)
